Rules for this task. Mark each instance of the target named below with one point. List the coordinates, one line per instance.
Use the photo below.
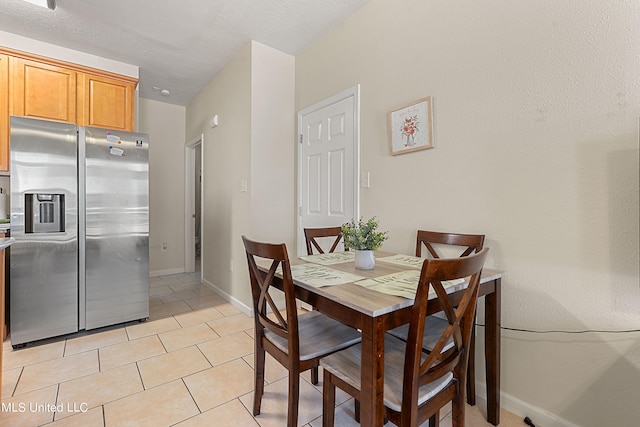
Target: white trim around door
(189, 203)
(352, 187)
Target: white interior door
(328, 163)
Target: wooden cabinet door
(4, 113)
(42, 91)
(105, 102)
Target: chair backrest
(311, 234)
(266, 312)
(420, 370)
(473, 242)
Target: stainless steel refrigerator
(80, 217)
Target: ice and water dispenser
(44, 213)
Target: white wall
(165, 124)
(536, 132)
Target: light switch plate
(365, 181)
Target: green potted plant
(364, 238)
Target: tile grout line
(244, 358)
(15, 387)
(192, 398)
(140, 375)
(53, 420)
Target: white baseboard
(539, 416)
(157, 273)
(230, 298)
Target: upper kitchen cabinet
(4, 112)
(105, 102)
(46, 88)
(43, 91)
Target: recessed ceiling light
(165, 92)
(51, 4)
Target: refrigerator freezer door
(117, 226)
(44, 258)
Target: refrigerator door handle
(82, 231)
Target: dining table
(359, 298)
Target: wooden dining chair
(468, 244)
(472, 243)
(311, 234)
(416, 384)
(296, 341)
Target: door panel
(314, 203)
(328, 164)
(337, 184)
(105, 102)
(42, 91)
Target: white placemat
(330, 258)
(319, 275)
(404, 260)
(402, 284)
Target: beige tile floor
(190, 364)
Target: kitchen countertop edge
(5, 242)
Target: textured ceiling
(178, 45)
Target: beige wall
(536, 130)
(165, 124)
(253, 98)
(226, 157)
(272, 146)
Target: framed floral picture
(411, 127)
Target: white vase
(365, 260)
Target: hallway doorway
(193, 205)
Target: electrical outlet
(165, 247)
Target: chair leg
(471, 367)
(294, 397)
(328, 400)
(314, 375)
(434, 420)
(259, 360)
(458, 410)
(356, 412)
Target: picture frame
(411, 127)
